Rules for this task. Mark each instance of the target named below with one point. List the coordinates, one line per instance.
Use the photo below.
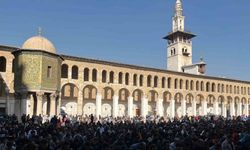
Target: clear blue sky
(131, 31)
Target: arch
(74, 72)
(169, 82)
(163, 81)
(120, 77)
(107, 93)
(111, 77)
(189, 98)
(149, 81)
(2, 64)
(210, 99)
(213, 87)
(199, 99)
(244, 100)
(152, 96)
(197, 86)
(123, 94)
(192, 85)
(176, 83)
(104, 76)
(69, 91)
(202, 86)
(187, 85)
(135, 79)
(181, 83)
(178, 97)
(64, 71)
(208, 87)
(94, 75)
(230, 99)
(155, 81)
(86, 74)
(141, 80)
(221, 99)
(89, 92)
(167, 96)
(137, 95)
(127, 78)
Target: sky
(131, 31)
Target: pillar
(159, 107)
(239, 109)
(130, 107)
(224, 109)
(247, 109)
(59, 102)
(144, 107)
(216, 107)
(232, 110)
(194, 108)
(204, 107)
(80, 103)
(172, 109)
(39, 105)
(115, 106)
(183, 107)
(24, 104)
(98, 105)
(52, 104)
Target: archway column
(80, 103)
(172, 108)
(204, 107)
(247, 109)
(239, 109)
(232, 109)
(183, 107)
(24, 104)
(115, 106)
(216, 107)
(144, 107)
(194, 108)
(39, 106)
(159, 107)
(53, 104)
(98, 105)
(130, 106)
(224, 109)
(59, 103)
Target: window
(86, 74)
(141, 80)
(155, 81)
(49, 72)
(135, 80)
(64, 71)
(2, 64)
(149, 81)
(120, 78)
(104, 76)
(74, 72)
(94, 75)
(163, 80)
(111, 77)
(127, 79)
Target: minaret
(179, 50)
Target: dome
(39, 43)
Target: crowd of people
(154, 133)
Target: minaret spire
(178, 8)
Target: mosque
(35, 80)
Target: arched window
(181, 84)
(227, 89)
(64, 71)
(149, 81)
(202, 86)
(213, 87)
(169, 83)
(155, 81)
(111, 77)
(222, 88)
(176, 83)
(104, 76)
(127, 78)
(192, 85)
(208, 87)
(141, 80)
(94, 75)
(135, 80)
(197, 86)
(2, 64)
(86, 74)
(74, 72)
(187, 85)
(163, 80)
(120, 77)
(218, 88)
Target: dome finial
(39, 31)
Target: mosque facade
(35, 80)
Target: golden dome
(39, 43)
